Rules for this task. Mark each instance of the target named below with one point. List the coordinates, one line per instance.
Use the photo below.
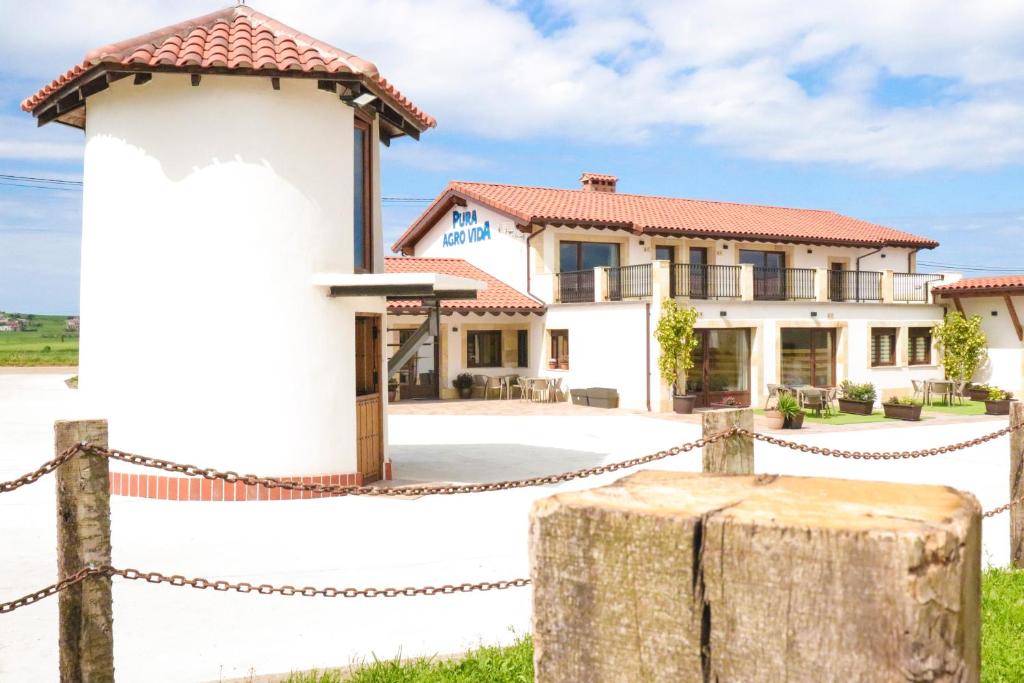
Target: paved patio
(164, 633)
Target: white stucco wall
(502, 253)
(206, 211)
(1005, 366)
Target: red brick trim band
(163, 487)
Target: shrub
(963, 345)
(859, 392)
(463, 381)
(997, 394)
(788, 406)
(901, 401)
(677, 340)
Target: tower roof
(236, 40)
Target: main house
(785, 295)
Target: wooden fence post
(83, 538)
(734, 455)
(675, 576)
(1017, 486)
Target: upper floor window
(587, 255)
(763, 259)
(665, 252)
(883, 346)
(362, 220)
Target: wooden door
(369, 404)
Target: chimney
(598, 182)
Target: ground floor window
(883, 346)
(483, 348)
(523, 348)
(808, 357)
(920, 345)
(721, 367)
(560, 348)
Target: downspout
(647, 346)
(863, 256)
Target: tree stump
(734, 455)
(668, 576)
(83, 537)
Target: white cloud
(428, 157)
(613, 72)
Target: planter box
(683, 405)
(977, 394)
(998, 407)
(795, 422)
(847, 405)
(910, 413)
(579, 397)
(598, 397)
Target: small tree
(678, 341)
(963, 345)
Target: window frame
(927, 348)
(579, 244)
(553, 355)
(364, 127)
(522, 348)
(832, 334)
(471, 360)
(875, 360)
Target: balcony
(574, 286)
(629, 282)
(698, 281)
(784, 284)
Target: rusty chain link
(343, 490)
(885, 455)
(262, 589)
(1003, 508)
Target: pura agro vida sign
(465, 228)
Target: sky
(909, 114)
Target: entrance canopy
(400, 285)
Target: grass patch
(968, 408)
(1002, 649)
(512, 664)
(838, 418)
(1002, 626)
(47, 343)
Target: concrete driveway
(164, 633)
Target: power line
(56, 181)
(961, 266)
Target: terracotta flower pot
(773, 419)
(684, 405)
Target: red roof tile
(234, 38)
(497, 298)
(999, 284)
(664, 215)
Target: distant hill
(45, 341)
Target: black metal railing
(912, 287)
(629, 282)
(855, 285)
(697, 281)
(783, 284)
(575, 286)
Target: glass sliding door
(769, 273)
(808, 357)
(721, 367)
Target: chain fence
(260, 589)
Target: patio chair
(773, 393)
(555, 389)
(919, 389)
(813, 399)
(961, 391)
(508, 383)
(831, 400)
(540, 389)
(524, 388)
(492, 384)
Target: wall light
(364, 99)
(814, 314)
(722, 313)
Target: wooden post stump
(667, 576)
(1017, 486)
(734, 455)
(83, 538)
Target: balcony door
(698, 259)
(721, 367)
(769, 273)
(576, 263)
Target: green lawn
(48, 343)
(1002, 649)
(838, 418)
(968, 408)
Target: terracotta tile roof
(998, 284)
(663, 215)
(235, 38)
(497, 298)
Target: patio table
(942, 386)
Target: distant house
(12, 324)
(73, 323)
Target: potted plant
(902, 408)
(792, 413)
(978, 392)
(563, 363)
(857, 399)
(675, 335)
(998, 402)
(963, 345)
(463, 382)
(392, 390)
(552, 364)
